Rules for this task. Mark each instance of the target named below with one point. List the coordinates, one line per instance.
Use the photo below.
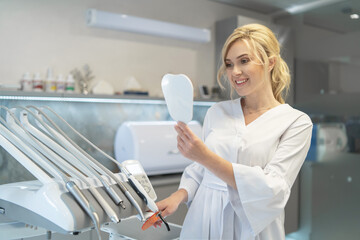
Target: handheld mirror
(178, 93)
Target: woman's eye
(228, 65)
(244, 60)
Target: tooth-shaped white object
(178, 93)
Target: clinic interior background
(39, 34)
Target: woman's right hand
(170, 204)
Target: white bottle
(70, 84)
(50, 83)
(26, 82)
(38, 83)
(60, 84)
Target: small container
(26, 82)
(50, 83)
(38, 83)
(60, 84)
(70, 84)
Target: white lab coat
(266, 155)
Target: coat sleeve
(263, 193)
(193, 174)
(191, 179)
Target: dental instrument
(66, 155)
(70, 185)
(132, 180)
(15, 125)
(53, 202)
(152, 205)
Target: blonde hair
(264, 46)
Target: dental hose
(116, 198)
(133, 182)
(98, 167)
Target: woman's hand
(190, 145)
(169, 205)
(194, 149)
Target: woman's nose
(237, 70)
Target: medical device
(74, 192)
(135, 168)
(133, 182)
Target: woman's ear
(272, 62)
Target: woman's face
(245, 75)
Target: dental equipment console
(74, 192)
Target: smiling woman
(251, 150)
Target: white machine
(74, 192)
(153, 144)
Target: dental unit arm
(132, 180)
(64, 199)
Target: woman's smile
(241, 81)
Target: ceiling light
(354, 16)
(300, 8)
(121, 22)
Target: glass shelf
(75, 97)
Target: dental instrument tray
(51, 206)
(73, 192)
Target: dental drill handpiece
(132, 180)
(116, 198)
(16, 127)
(85, 204)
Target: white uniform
(266, 155)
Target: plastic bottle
(50, 83)
(26, 82)
(38, 83)
(70, 84)
(60, 84)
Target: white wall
(339, 49)
(37, 34)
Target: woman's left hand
(190, 145)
